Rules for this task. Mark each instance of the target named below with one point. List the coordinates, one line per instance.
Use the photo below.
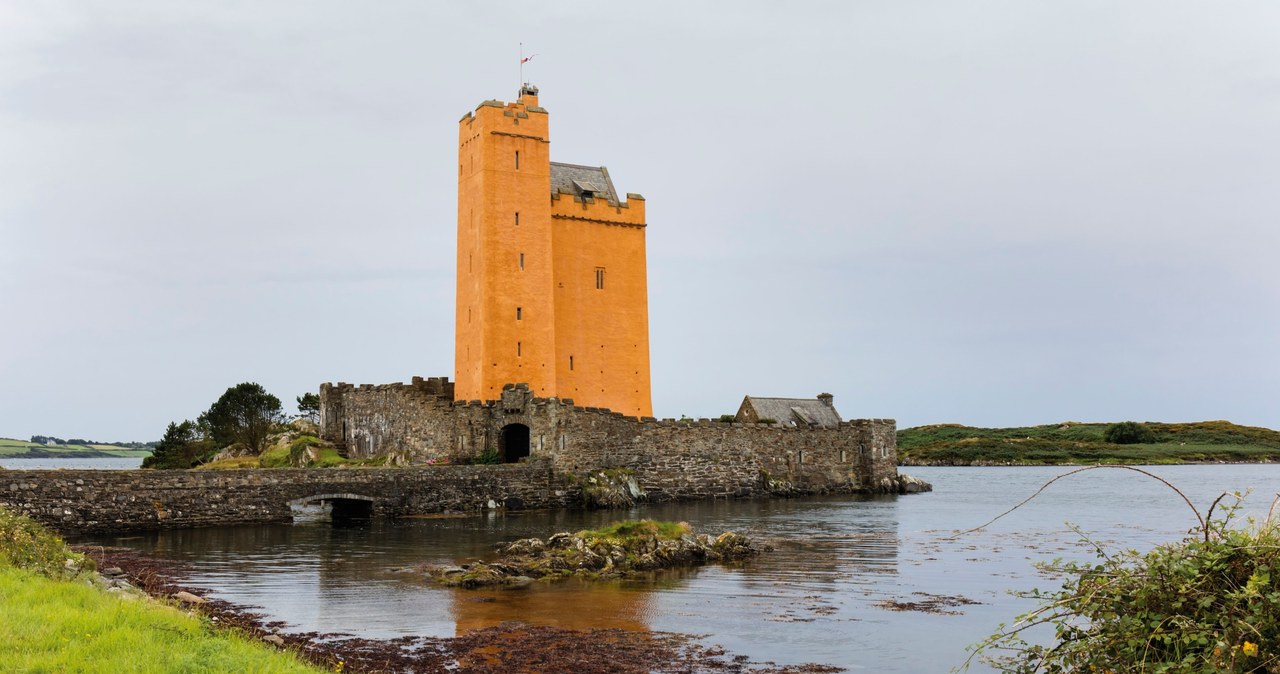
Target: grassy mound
(1081, 443)
(304, 451)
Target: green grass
(52, 620)
(63, 626)
(1081, 443)
(289, 456)
(638, 529)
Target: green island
(59, 616)
(1074, 443)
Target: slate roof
(574, 179)
(794, 411)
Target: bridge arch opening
(350, 510)
(340, 509)
(514, 443)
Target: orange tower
(552, 287)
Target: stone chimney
(827, 399)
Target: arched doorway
(514, 444)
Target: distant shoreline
(1085, 464)
(1073, 443)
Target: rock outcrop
(640, 546)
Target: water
(817, 598)
(93, 463)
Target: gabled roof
(794, 411)
(575, 180)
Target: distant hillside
(1081, 443)
(21, 449)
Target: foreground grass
(1080, 443)
(63, 626)
(53, 620)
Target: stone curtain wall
(712, 459)
(78, 501)
(672, 459)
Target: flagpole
(521, 86)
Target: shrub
(487, 457)
(26, 544)
(728, 418)
(1206, 604)
(1128, 433)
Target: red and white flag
(526, 59)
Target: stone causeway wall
(83, 501)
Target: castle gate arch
(513, 444)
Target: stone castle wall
(671, 459)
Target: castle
(552, 293)
(552, 288)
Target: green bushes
(25, 544)
(184, 445)
(1128, 433)
(1210, 603)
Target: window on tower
(518, 313)
(517, 160)
(517, 218)
(521, 261)
(599, 278)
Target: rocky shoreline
(508, 648)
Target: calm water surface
(817, 598)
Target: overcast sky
(990, 213)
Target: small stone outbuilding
(817, 412)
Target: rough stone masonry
(420, 422)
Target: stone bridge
(84, 501)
